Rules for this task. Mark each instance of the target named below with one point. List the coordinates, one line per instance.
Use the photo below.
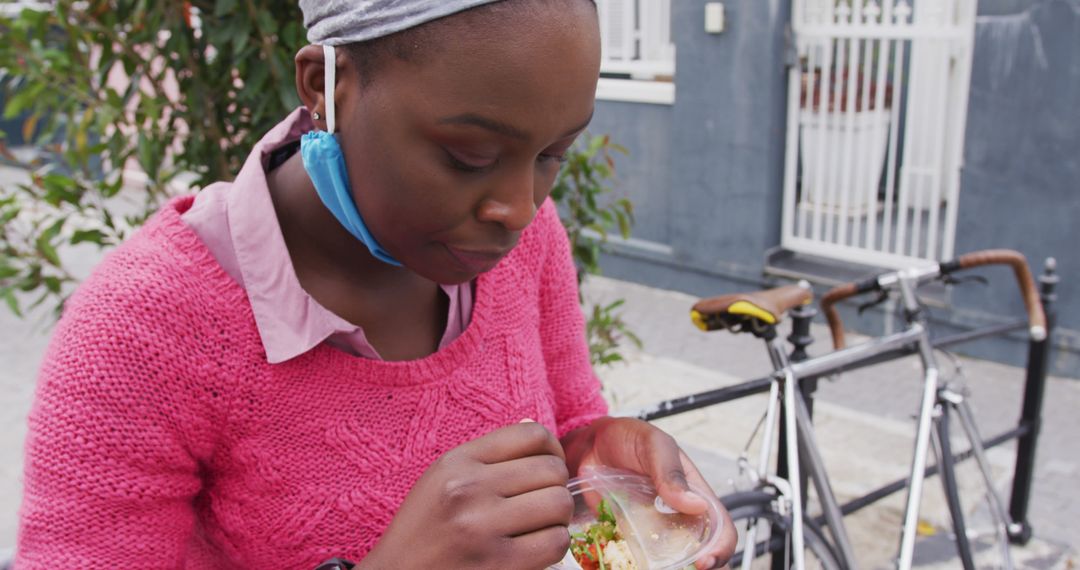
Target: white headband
(339, 22)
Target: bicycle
(774, 510)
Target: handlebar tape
(1014, 259)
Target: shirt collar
(289, 321)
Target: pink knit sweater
(160, 437)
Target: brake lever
(881, 298)
(950, 279)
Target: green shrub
(207, 79)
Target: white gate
(876, 114)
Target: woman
(368, 345)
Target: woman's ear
(311, 81)
(310, 84)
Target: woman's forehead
(543, 68)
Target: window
(638, 56)
(12, 9)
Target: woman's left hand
(638, 446)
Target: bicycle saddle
(767, 306)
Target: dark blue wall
(1020, 185)
(706, 173)
(644, 176)
(720, 188)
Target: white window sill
(635, 91)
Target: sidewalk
(863, 423)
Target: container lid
(654, 535)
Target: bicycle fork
(953, 402)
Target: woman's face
(449, 157)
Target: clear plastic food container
(654, 536)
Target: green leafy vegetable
(589, 544)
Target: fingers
(539, 509)
(724, 548)
(729, 538)
(666, 465)
(641, 447)
(520, 476)
(638, 446)
(514, 441)
(543, 547)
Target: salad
(620, 523)
(600, 546)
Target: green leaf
(44, 242)
(11, 300)
(60, 188)
(92, 236)
(9, 213)
(18, 103)
(48, 252)
(624, 225)
(267, 24)
(54, 229)
(224, 7)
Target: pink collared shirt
(238, 224)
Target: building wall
(644, 175)
(706, 172)
(720, 187)
(1020, 185)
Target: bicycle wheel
(979, 519)
(754, 509)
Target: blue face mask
(325, 165)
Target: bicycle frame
(785, 383)
(800, 435)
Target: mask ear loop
(329, 78)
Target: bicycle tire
(757, 507)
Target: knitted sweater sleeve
(578, 398)
(119, 427)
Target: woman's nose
(511, 204)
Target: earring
(316, 116)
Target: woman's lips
(474, 260)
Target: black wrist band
(336, 564)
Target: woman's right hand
(499, 501)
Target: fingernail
(694, 495)
(527, 421)
(663, 507)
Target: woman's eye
(464, 163)
(552, 157)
